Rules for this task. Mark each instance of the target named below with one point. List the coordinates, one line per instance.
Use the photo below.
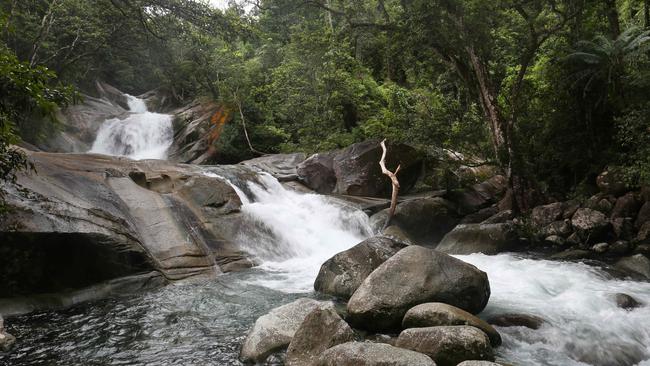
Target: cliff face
(79, 220)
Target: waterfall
(141, 135)
(291, 234)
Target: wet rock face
(342, 274)
(83, 219)
(637, 266)
(448, 345)
(355, 170)
(371, 354)
(413, 276)
(275, 330)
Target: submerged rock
(517, 320)
(413, 276)
(637, 265)
(371, 354)
(625, 301)
(342, 274)
(478, 363)
(436, 313)
(479, 238)
(448, 345)
(321, 329)
(275, 330)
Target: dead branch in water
(393, 180)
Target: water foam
(584, 325)
(291, 234)
(141, 135)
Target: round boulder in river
(321, 329)
(371, 354)
(436, 313)
(273, 331)
(448, 345)
(342, 274)
(413, 276)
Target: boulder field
(426, 296)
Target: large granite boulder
(478, 196)
(424, 220)
(371, 354)
(342, 274)
(544, 215)
(80, 220)
(317, 172)
(479, 238)
(413, 276)
(590, 225)
(321, 329)
(626, 206)
(448, 345)
(355, 170)
(275, 330)
(436, 313)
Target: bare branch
(394, 182)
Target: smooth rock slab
(372, 354)
(321, 329)
(342, 274)
(436, 313)
(448, 345)
(413, 276)
(275, 330)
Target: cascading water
(141, 135)
(584, 326)
(292, 234)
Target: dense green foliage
(549, 91)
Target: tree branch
(393, 180)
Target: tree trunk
(612, 18)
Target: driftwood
(393, 180)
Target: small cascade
(141, 135)
(291, 234)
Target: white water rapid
(584, 325)
(141, 135)
(291, 234)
